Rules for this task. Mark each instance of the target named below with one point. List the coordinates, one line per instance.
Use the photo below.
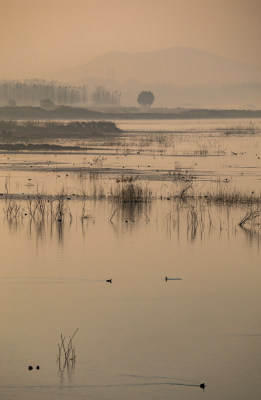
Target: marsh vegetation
(176, 200)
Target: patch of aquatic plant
(95, 191)
(61, 208)
(41, 206)
(98, 161)
(178, 176)
(13, 210)
(196, 218)
(222, 193)
(232, 196)
(152, 138)
(202, 151)
(125, 189)
(130, 190)
(250, 129)
(38, 207)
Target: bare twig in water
(13, 211)
(66, 353)
(250, 216)
(114, 212)
(184, 190)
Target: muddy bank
(38, 147)
(13, 130)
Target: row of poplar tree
(33, 92)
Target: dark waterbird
(30, 368)
(172, 279)
(202, 385)
(109, 280)
(37, 367)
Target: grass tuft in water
(128, 190)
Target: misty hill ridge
(176, 65)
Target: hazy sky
(38, 36)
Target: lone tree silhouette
(145, 98)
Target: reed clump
(13, 210)
(61, 208)
(39, 207)
(129, 190)
(250, 129)
(224, 195)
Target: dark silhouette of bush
(145, 98)
(58, 129)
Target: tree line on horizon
(37, 92)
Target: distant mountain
(177, 66)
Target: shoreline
(74, 113)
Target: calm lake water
(139, 337)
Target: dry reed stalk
(250, 217)
(183, 193)
(66, 352)
(13, 211)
